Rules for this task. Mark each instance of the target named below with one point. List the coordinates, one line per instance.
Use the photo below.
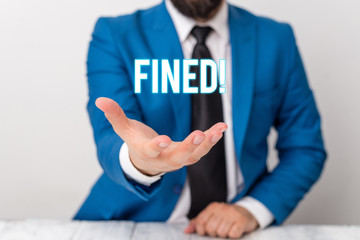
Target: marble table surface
(123, 230)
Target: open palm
(152, 153)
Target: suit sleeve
(299, 144)
(108, 77)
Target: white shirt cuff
(261, 213)
(131, 172)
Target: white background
(47, 154)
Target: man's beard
(197, 9)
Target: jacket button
(177, 189)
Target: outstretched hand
(152, 153)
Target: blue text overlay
(168, 77)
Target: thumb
(114, 113)
(191, 227)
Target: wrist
(252, 222)
(143, 170)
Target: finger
(201, 221)
(211, 139)
(185, 148)
(204, 216)
(190, 228)
(220, 126)
(224, 228)
(114, 113)
(236, 230)
(212, 224)
(156, 145)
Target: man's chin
(197, 9)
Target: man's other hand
(223, 220)
(152, 153)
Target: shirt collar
(184, 24)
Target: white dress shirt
(218, 42)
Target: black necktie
(207, 178)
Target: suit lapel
(243, 45)
(165, 44)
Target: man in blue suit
(158, 165)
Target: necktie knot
(201, 33)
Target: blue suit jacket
(269, 89)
